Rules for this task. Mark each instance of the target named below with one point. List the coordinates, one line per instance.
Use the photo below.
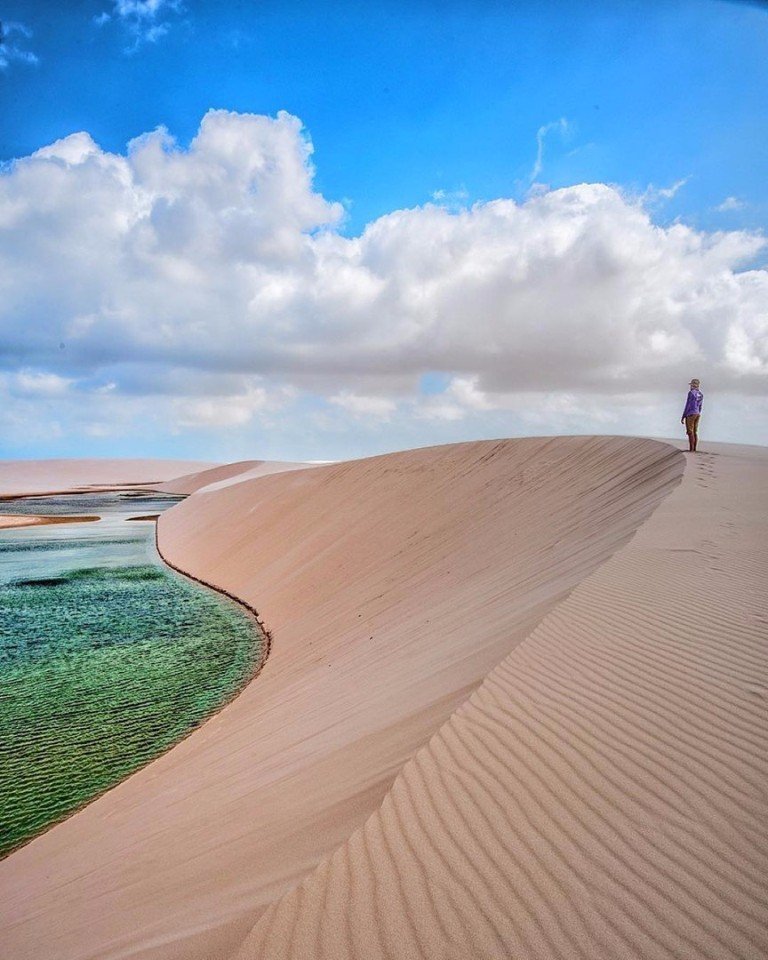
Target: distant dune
(18, 477)
(514, 707)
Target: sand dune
(392, 587)
(217, 477)
(603, 794)
(19, 477)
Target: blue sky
(406, 105)
(403, 99)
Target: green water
(106, 657)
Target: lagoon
(107, 657)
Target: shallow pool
(107, 657)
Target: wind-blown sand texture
(600, 794)
(603, 794)
(222, 476)
(36, 520)
(29, 477)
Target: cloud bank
(214, 282)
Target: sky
(292, 230)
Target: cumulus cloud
(460, 398)
(215, 276)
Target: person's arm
(689, 405)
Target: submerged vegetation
(102, 670)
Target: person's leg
(689, 429)
(695, 432)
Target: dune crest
(603, 793)
(217, 477)
(392, 586)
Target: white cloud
(12, 40)
(653, 194)
(465, 391)
(377, 408)
(729, 204)
(453, 200)
(144, 19)
(460, 398)
(227, 411)
(563, 127)
(36, 383)
(142, 9)
(72, 150)
(216, 277)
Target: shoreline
(393, 584)
(262, 642)
(12, 521)
(390, 582)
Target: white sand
(19, 477)
(604, 793)
(223, 476)
(9, 520)
(601, 793)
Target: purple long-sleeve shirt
(693, 403)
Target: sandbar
(35, 520)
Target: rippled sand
(515, 706)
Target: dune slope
(392, 586)
(604, 793)
(221, 476)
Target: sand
(603, 794)
(30, 477)
(222, 476)
(35, 520)
(493, 723)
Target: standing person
(691, 415)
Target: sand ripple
(491, 725)
(603, 793)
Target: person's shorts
(692, 423)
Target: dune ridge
(603, 794)
(391, 586)
(222, 476)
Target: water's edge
(261, 644)
(252, 612)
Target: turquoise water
(107, 657)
